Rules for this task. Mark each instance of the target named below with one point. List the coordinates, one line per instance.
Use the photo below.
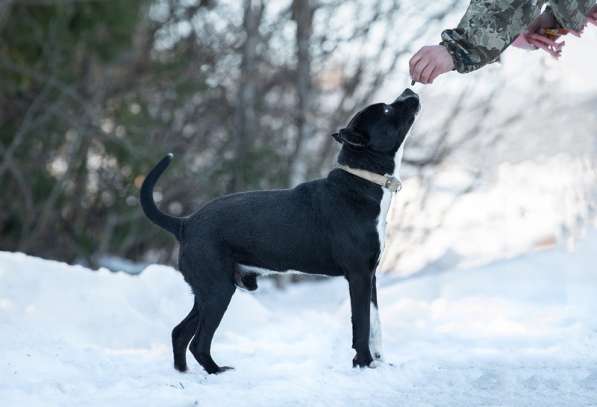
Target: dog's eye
(386, 109)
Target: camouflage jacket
(489, 27)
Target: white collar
(387, 181)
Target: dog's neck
(380, 169)
(386, 181)
(371, 161)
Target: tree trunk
(246, 116)
(4, 10)
(302, 11)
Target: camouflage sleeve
(571, 14)
(486, 30)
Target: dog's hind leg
(375, 327)
(182, 335)
(212, 311)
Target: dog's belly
(247, 268)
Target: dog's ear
(351, 138)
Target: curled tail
(171, 223)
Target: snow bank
(517, 332)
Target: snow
(516, 332)
(524, 205)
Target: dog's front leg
(375, 325)
(360, 297)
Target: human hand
(545, 42)
(543, 33)
(523, 43)
(430, 62)
(532, 42)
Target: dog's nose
(407, 94)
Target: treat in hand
(554, 33)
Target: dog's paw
(223, 369)
(362, 360)
(180, 366)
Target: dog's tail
(170, 223)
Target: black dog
(333, 226)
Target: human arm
(484, 32)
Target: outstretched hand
(544, 32)
(430, 62)
(548, 43)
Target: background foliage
(94, 92)
(244, 93)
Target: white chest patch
(386, 202)
(384, 208)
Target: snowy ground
(519, 332)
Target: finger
(434, 74)
(560, 45)
(552, 47)
(546, 48)
(528, 40)
(414, 61)
(542, 38)
(540, 45)
(419, 68)
(522, 42)
(426, 73)
(555, 54)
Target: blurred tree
(59, 63)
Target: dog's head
(374, 136)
